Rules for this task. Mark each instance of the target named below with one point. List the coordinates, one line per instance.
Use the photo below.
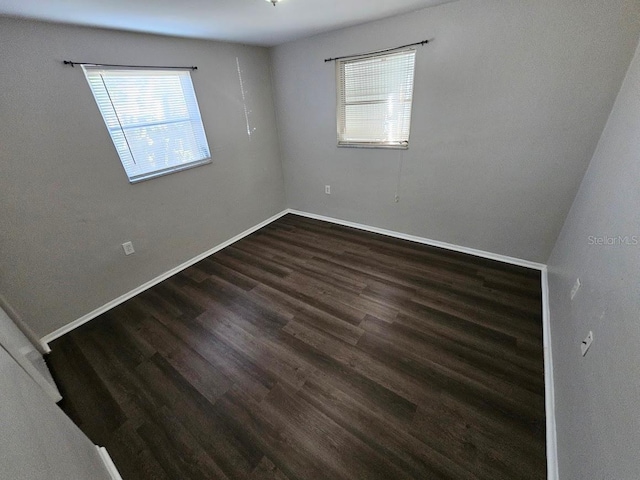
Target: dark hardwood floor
(313, 351)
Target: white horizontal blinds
(375, 94)
(153, 119)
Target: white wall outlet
(128, 248)
(327, 189)
(586, 343)
(576, 287)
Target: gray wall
(510, 100)
(66, 203)
(598, 396)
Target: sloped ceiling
(255, 22)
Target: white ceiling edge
(253, 22)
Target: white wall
(20, 348)
(598, 396)
(66, 203)
(510, 100)
(38, 441)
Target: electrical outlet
(327, 189)
(396, 198)
(586, 343)
(128, 248)
(576, 287)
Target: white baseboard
(425, 241)
(108, 463)
(123, 298)
(549, 391)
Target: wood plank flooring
(313, 351)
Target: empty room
(293, 240)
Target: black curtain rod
(73, 64)
(424, 42)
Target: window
(153, 119)
(375, 94)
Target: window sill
(373, 145)
(168, 171)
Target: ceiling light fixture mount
(273, 1)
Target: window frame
(193, 116)
(340, 106)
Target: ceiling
(247, 21)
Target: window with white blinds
(153, 119)
(375, 94)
